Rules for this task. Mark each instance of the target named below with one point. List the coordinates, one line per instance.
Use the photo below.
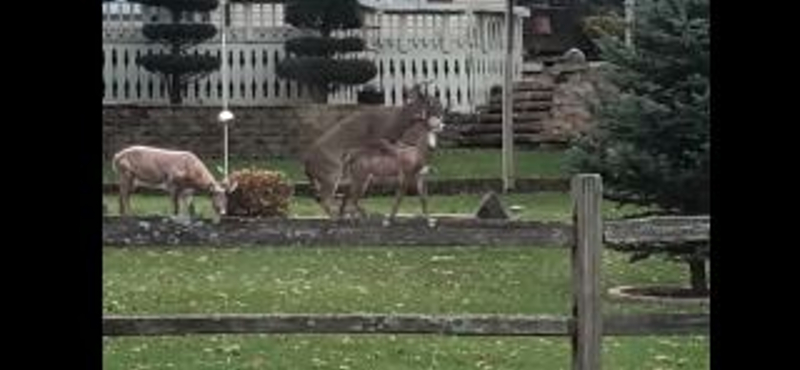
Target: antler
(426, 82)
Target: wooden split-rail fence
(585, 237)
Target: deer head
(219, 194)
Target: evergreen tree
(651, 142)
(316, 60)
(178, 67)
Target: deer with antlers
(405, 163)
(324, 160)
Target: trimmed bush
(318, 47)
(182, 5)
(260, 193)
(322, 61)
(185, 65)
(179, 67)
(323, 72)
(181, 34)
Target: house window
(541, 25)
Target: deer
(179, 172)
(323, 160)
(405, 162)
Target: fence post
(587, 190)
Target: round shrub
(315, 46)
(179, 64)
(179, 33)
(324, 72)
(260, 193)
(182, 5)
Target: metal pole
(508, 107)
(470, 70)
(629, 6)
(225, 116)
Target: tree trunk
(174, 88)
(699, 279)
(174, 85)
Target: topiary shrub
(321, 71)
(260, 193)
(178, 67)
(313, 46)
(325, 60)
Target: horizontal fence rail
(458, 325)
(661, 229)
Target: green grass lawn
(381, 280)
(446, 163)
(282, 352)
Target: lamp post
(508, 107)
(225, 116)
(629, 7)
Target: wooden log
(483, 128)
(494, 140)
(518, 117)
(533, 86)
(519, 95)
(521, 106)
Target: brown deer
(323, 161)
(405, 162)
(178, 172)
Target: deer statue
(405, 162)
(323, 160)
(179, 172)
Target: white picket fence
(459, 48)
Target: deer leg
(188, 198)
(125, 188)
(401, 191)
(345, 199)
(359, 190)
(174, 195)
(422, 193)
(326, 194)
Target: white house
(457, 44)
